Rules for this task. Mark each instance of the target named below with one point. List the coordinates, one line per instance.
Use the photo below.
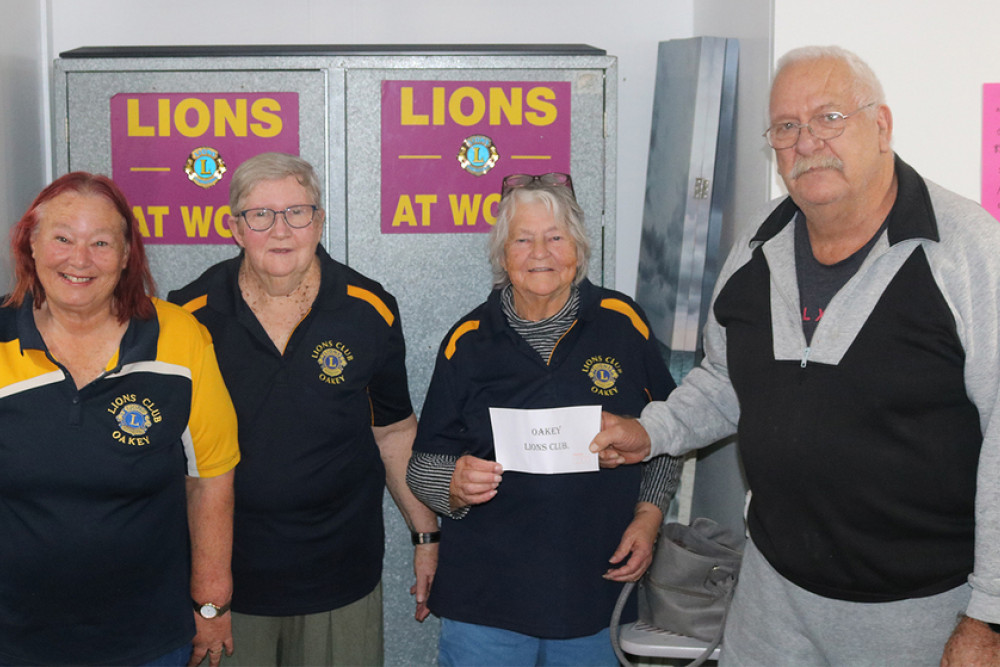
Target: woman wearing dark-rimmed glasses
(312, 353)
(530, 564)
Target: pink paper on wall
(446, 146)
(173, 154)
(991, 149)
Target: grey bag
(688, 587)
(690, 583)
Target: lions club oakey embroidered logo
(333, 359)
(603, 373)
(134, 416)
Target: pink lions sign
(174, 153)
(446, 146)
(991, 149)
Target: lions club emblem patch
(134, 416)
(603, 373)
(134, 419)
(333, 359)
(332, 362)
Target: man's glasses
(515, 181)
(296, 217)
(824, 126)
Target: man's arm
(702, 410)
(970, 251)
(395, 443)
(210, 521)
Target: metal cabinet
(339, 97)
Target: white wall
(628, 30)
(23, 80)
(932, 59)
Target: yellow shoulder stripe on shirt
(25, 371)
(377, 303)
(196, 303)
(628, 311)
(465, 328)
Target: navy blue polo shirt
(94, 545)
(531, 559)
(308, 533)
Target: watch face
(208, 611)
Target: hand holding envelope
(547, 441)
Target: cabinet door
(178, 109)
(438, 276)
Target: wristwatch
(425, 538)
(209, 610)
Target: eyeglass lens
(828, 125)
(262, 219)
(823, 126)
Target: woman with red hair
(117, 450)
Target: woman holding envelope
(530, 563)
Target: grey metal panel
(720, 484)
(724, 174)
(420, 269)
(436, 278)
(87, 145)
(678, 223)
(610, 244)
(687, 190)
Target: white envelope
(550, 441)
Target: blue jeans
(465, 644)
(176, 658)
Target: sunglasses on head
(514, 181)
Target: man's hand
(621, 440)
(972, 644)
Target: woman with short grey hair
(313, 355)
(560, 201)
(530, 565)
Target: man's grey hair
(561, 203)
(867, 87)
(272, 167)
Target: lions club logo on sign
(333, 359)
(603, 373)
(205, 167)
(134, 417)
(478, 154)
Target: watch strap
(425, 538)
(219, 610)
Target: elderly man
(852, 346)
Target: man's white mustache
(802, 165)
